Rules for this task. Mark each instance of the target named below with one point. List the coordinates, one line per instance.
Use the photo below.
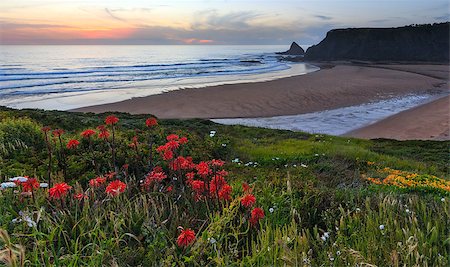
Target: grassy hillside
(318, 199)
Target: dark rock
(251, 61)
(294, 50)
(429, 42)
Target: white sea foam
(67, 77)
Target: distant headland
(419, 43)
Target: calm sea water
(65, 77)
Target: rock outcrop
(294, 50)
(429, 42)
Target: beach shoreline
(430, 121)
(336, 85)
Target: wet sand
(426, 122)
(334, 86)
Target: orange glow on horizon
(197, 41)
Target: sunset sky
(202, 22)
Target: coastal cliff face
(410, 43)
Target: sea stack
(294, 50)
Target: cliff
(410, 43)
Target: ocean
(67, 77)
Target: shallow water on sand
(336, 121)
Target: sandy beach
(426, 122)
(331, 87)
(335, 85)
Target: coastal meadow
(123, 190)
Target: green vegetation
(320, 208)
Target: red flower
(216, 184)
(104, 134)
(217, 162)
(57, 132)
(134, 143)
(59, 190)
(225, 192)
(256, 215)
(168, 155)
(248, 200)
(80, 196)
(198, 186)
(29, 184)
(158, 169)
(203, 168)
(115, 188)
(153, 177)
(150, 122)
(161, 149)
(96, 182)
(172, 144)
(182, 163)
(169, 189)
(88, 133)
(222, 173)
(186, 238)
(45, 129)
(111, 120)
(190, 177)
(183, 140)
(110, 175)
(72, 144)
(246, 188)
(172, 137)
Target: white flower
(8, 185)
(323, 238)
(381, 227)
(304, 165)
(316, 155)
(331, 259)
(212, 133)
(24, 217)
(224, 145)
(18, 178)
(295, 165)
(43, 185)
(271, 210)
(212, 240)
(338, 252)
(326, 234)
(29, 221)
(358, 210)
(236, 160)
(407, 211)
(443, 199)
